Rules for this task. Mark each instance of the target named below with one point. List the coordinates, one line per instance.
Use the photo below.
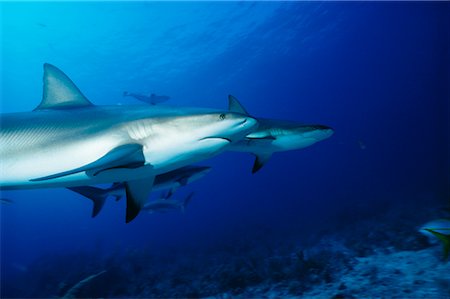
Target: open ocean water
(339, 219)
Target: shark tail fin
(445, 239)
(186, 201)
(235, 106)
(97, 195)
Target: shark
(275, 136)
(171, 180)
(153, 99)
(67, 141)
(164, 205)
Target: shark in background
(153, 99)
(171, 180)
(6, 201)
(164, 205)
(67, 141)
(275, 136)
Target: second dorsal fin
(59, 91)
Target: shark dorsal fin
(235, 106)
(59, 91)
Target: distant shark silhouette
(67, 141)
(164, 205)
(153, 99)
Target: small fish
(153, 99)
(439, 229)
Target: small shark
(275, 136)
(153, 99)
(163, 205)
(67, 141)
(171, 180)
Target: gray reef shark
(67, 141)
(275, 136)
(6, 201)
(153, 99)
(171, 180)
(164, 205)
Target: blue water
(378, 73)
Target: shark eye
(222, 116)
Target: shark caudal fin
(97, 195)
(445, 239)
(60, 92)
(137, 193)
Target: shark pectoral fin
(137, 193)
(127, 156)
(60, 92)
(97, 195)
(260, 160)
(235, 106)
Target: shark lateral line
(275, 135)
(67, 141)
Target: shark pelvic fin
(260, 160)
(137, 193)
(59, 91)
(97, 195)
(124, 156)
(235, 106)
